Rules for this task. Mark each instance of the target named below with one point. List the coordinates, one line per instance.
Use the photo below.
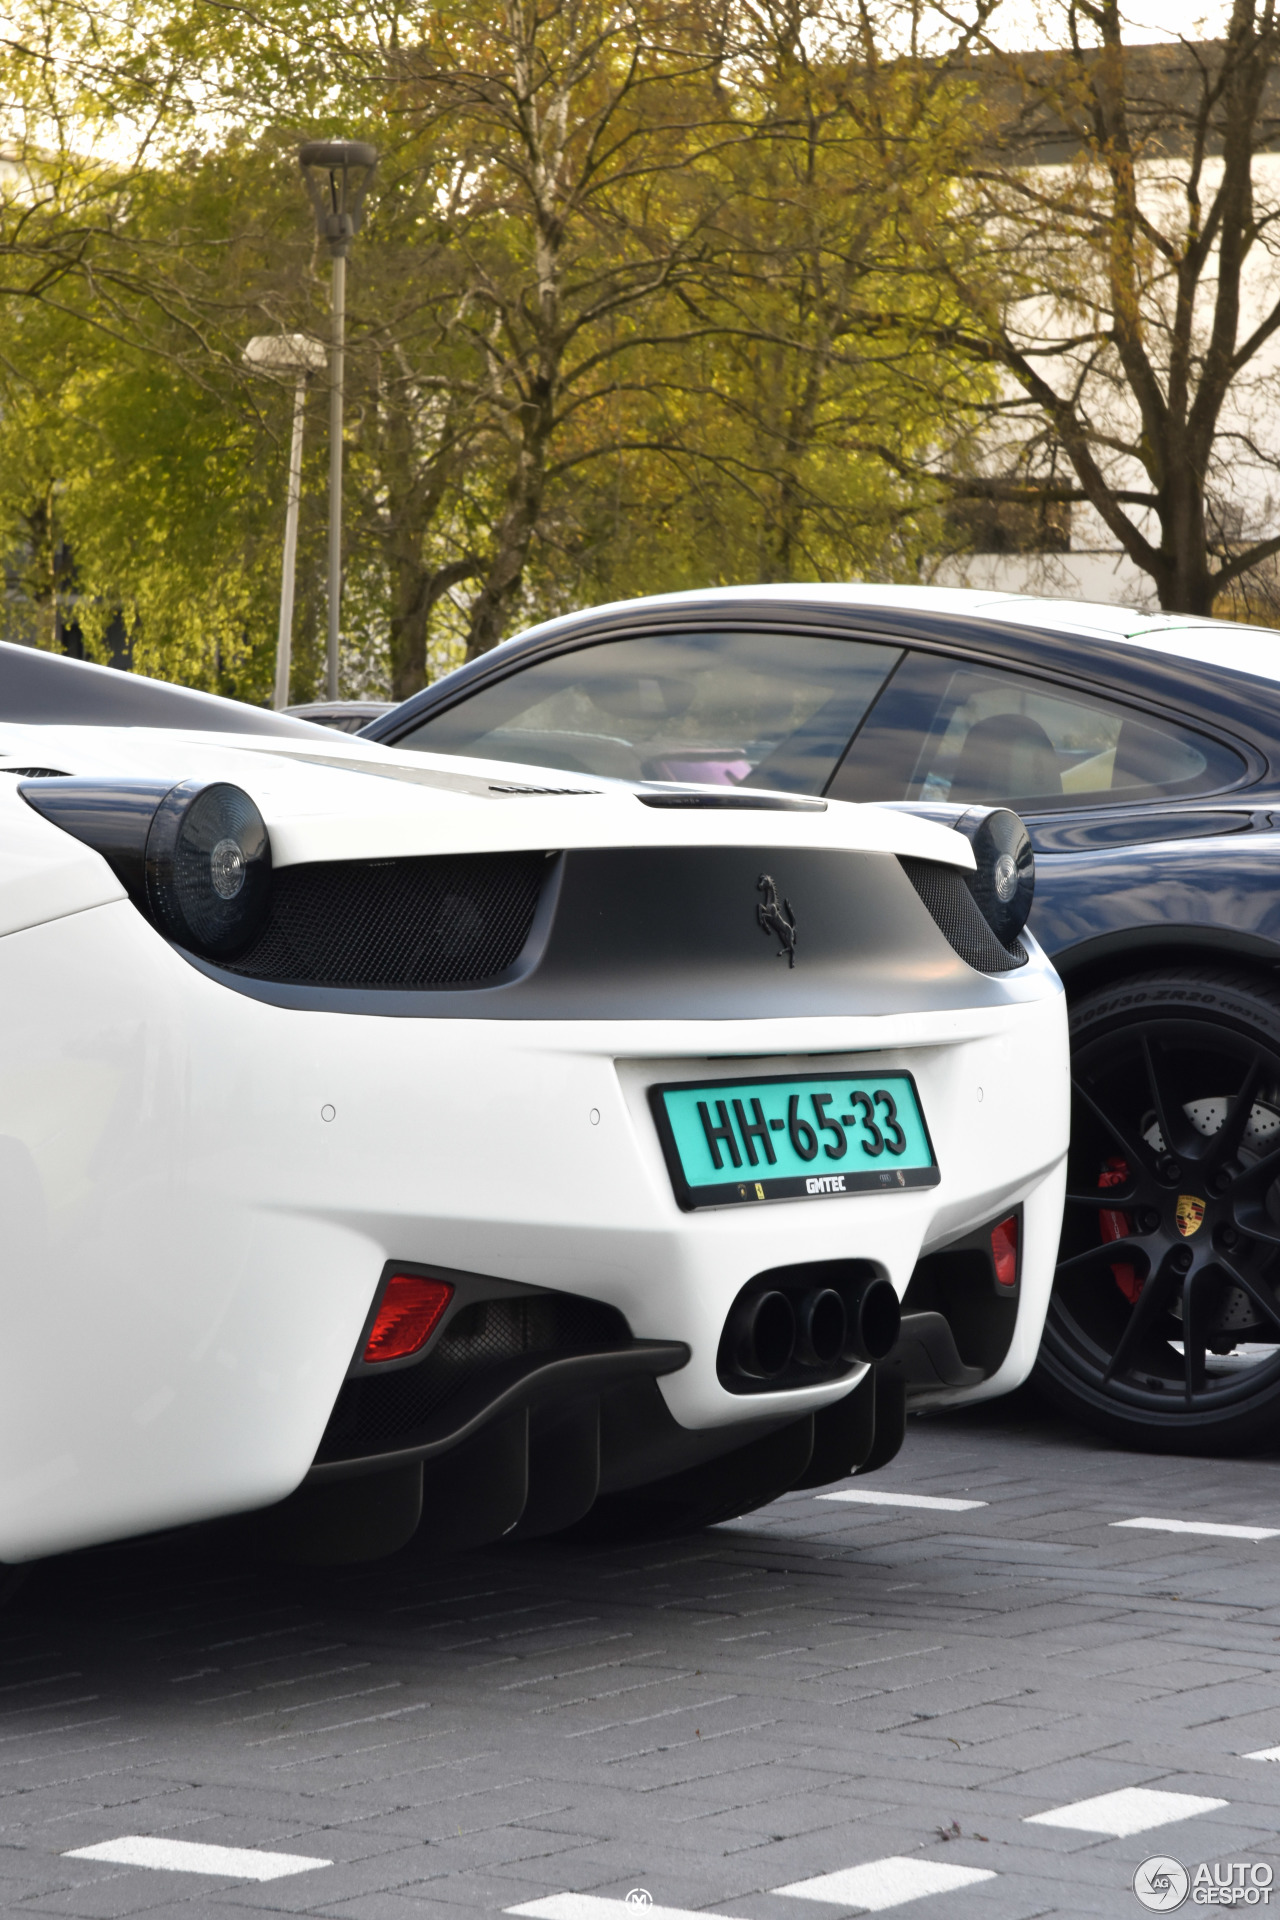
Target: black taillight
(196, 857)
(1004, 880)
(208, 867)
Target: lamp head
(337, 174)
(285, 356)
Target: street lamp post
(337, 174)
(279, 356)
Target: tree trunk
(417, 590)
(1183, 577)
(514, 535)
(408, 629)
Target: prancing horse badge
(1190, 1214)
(777, 916)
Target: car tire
(890, 1423)
(1163, 1329)
(705, 1495)
(338, 1523)
(12, 1580)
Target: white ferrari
(427, 1150)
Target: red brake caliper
(1115, 1226)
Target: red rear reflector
(409, 1315)
(1004, 1251)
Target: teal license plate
(789, 1138)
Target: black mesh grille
(485, 1347)
(448, 920)
(959, 917)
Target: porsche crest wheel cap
(1190, 1214)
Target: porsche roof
(1222, 643)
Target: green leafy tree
(637, 305)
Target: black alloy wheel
(1164, 1324)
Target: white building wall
(1244, 483)
(1096, 575)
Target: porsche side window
(947, 732)
(765, 709)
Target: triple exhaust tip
(773, 1331)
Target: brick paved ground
(810, 1689)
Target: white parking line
(1214, 1528)
(1129, 1810)
(886, 1883)
(877, 1499)
(1263, 1753)
(592, 1906)
(186, 1856)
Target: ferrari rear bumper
(202, 1192)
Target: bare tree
(1123, 279)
